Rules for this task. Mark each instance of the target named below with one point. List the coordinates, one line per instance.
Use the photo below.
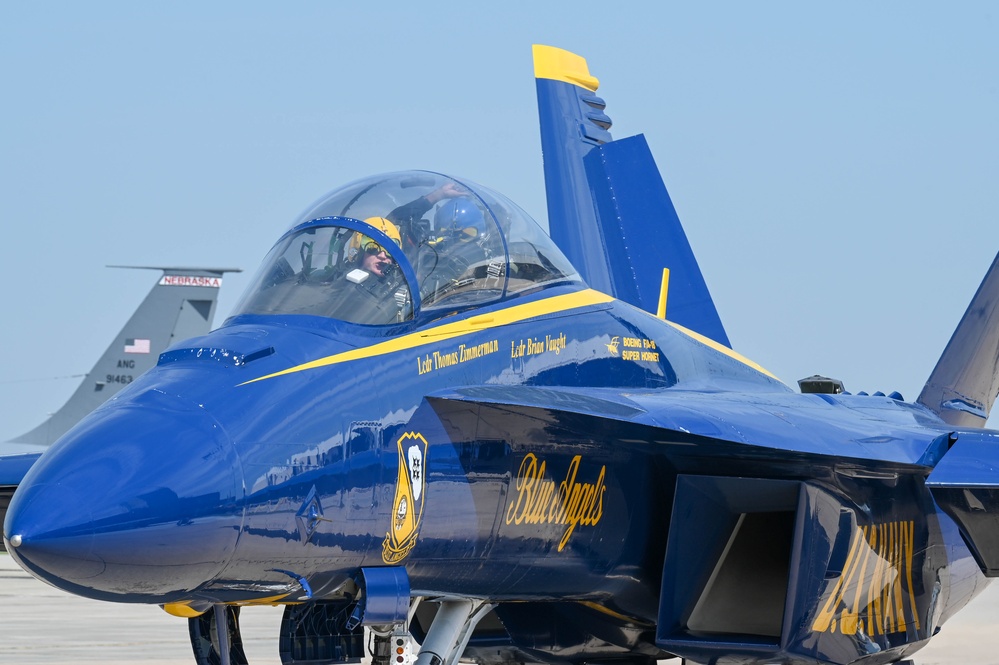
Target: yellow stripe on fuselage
(721, 348)
(561, 65)
(468, 326)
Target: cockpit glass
(532, 256)
(334, 272)
(461, 244)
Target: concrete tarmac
(41, 624)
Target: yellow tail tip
(561, 65)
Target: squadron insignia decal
(407, 508)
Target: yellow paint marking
(414, 340)
(561, 65)
(900, 555)
(185, 611)
(663, 292)
(570, 503)
(869, 597)
(182, 610)
(856, 577)
(874, 622)
(612, 613)
(908, 543)
(826, 618)
(721, 349)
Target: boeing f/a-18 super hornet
(433, 432)
(180, 305)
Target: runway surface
(40, 624)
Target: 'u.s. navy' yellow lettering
(874, 594)
(538, 500)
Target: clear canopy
(388, 248)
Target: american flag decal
(136, 346)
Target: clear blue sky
(835, 167)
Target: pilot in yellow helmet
(367, 253)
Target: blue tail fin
(963, 386)
(608, 208)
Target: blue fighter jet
(432, 431)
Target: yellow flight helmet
(359, 241)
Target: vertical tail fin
(180, 305)
(608, 208)
(963, 385)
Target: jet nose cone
(142, 501)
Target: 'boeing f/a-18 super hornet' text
(431, 423)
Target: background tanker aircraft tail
(429, 438)
(180, 305)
